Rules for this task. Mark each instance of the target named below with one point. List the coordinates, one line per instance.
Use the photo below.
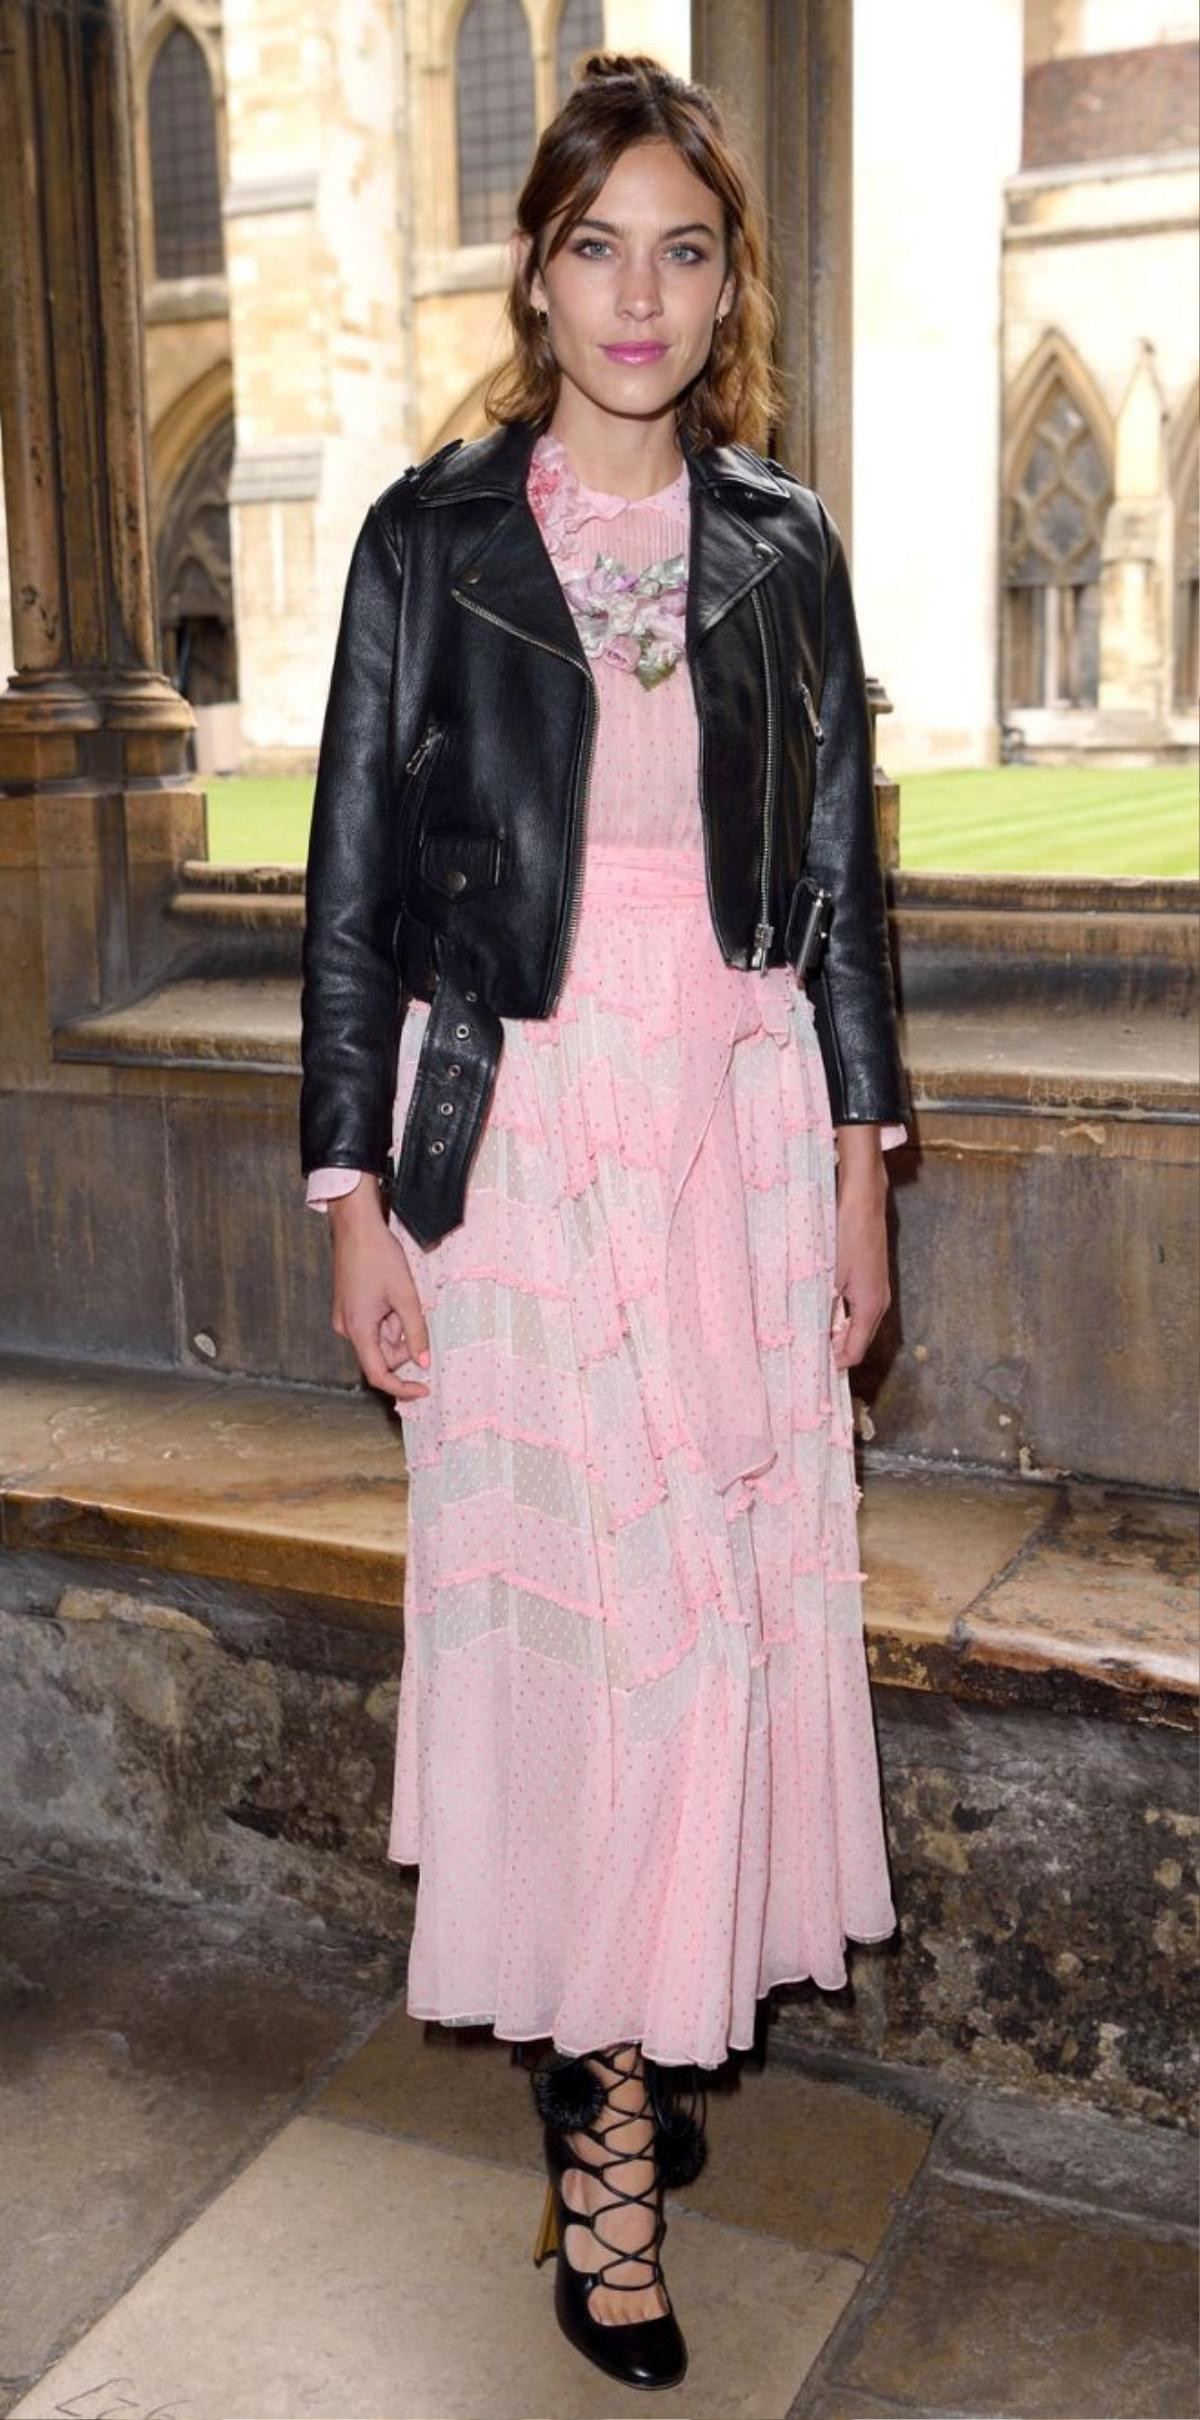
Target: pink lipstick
(635, 353)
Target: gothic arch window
(1186, 683)
(580, 29)
(195, 581)
(494, 106)
(184, 176)
(1054, 523)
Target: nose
(639, 296)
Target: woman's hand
(375, 1303)
(861, 1283)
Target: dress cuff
(329, 1184)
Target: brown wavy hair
(618, 100)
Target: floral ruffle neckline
(632, 619)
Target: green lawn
(1004, 819)
(1052, 819)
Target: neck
(630, 458)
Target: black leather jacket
(451, 793)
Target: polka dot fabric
(635, 1756)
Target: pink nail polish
(423, 1358)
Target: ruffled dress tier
(635, 1759)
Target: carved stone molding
(72, 388)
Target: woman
(594, 784)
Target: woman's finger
(853, 1333)
(406, 1307)
(374, 1367)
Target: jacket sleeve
(854, 1006)
(350, 998)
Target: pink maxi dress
(635, 1756)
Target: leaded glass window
(580, 29)
(495, 113)
(183, 162)
(1187, 583)
(1055, 524)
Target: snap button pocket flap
(454, 864)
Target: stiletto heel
(571, 2095)
(547, 2234)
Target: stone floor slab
(1113, 1579)
(454, 2087)
(990, 2305)
(981, 1526)
(1080, 2158)
(280, 1486)
(346, 2275)
(145, 2051)
(816, 2162)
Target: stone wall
(202, 1737)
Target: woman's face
(633, 293)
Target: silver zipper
(567, 929)
(811, 711)
(763, 931)
(419, 754)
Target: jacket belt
(452, 1090)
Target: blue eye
(584, 247)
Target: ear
(519, 247)
(728, 291)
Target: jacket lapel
(511, 578)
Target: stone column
(783, 73)
(782, 70)
(95, 806)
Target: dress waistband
(642, 874)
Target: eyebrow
(695, 226)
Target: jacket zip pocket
(421, 751)
(811, 711)
(418, 767)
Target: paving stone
(351, 2276)
(283, 1487)
(993, 2305)
(145, 2051)
(980, 1524)
(1078, 2156)
(451, 2086)
(816, 2162)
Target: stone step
(243, 911)
(200, 1022)
(968, 959)
(201, 1593)
(237, 922)
(282, 1487)
(990, 970)
(1010, 1592)
(1095, 960)
(1002, 894)
(973, 942)
(962, 940)
(1133, 896)
(205, 875)
(1019, 1056)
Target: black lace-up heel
(570, 2096)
